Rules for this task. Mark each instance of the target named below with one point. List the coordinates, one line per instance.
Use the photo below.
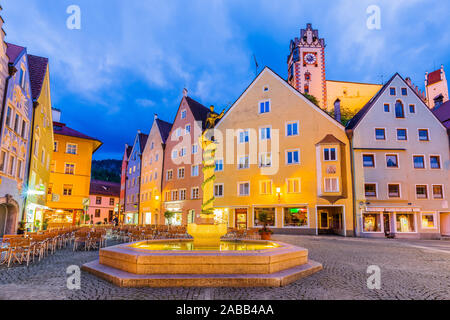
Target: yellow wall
(314, 125)
(80, 180)
(353, 95)
(42, 143)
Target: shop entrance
(241, 218)
(387, 224)
(330, 220)
(8, 214)
(445, 224)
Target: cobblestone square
(409, 270)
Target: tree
(346, 115)
(311, 98)
(169, 215)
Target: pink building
(103, 201)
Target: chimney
(156, 116)
(337, 110)
(185, 92)
(139, 131)
(56, 115)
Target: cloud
(145, 102)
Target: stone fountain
(205, 261)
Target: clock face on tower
(309, 58)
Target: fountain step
(126, 279)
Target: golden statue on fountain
(207, 233)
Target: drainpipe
(139, 189)
(11, 71)
(162, 179)
(352, 164)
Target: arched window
(399, 110)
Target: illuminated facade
(401, 173)
(103, 201)
(183, 174)
(133, 178)
(282, 155)
(17, 113)
(42, 141)
(123, 180)
(70, 174)
(152, 173)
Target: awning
(392, 209)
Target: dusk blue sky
(132, 58)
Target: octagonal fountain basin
(188, 245)
(177, 263)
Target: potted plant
(45, 224)
(37, 224)
(169, 215)
(21, 229)
(265, 232)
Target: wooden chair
(20, 251)
(81, 237)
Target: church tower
(306, 64)
(436, 88)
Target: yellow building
(280, 154)
(42, 141)
(353, 95)
(152, 173)
(68, 190)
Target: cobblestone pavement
(409, 270)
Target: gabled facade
(133, 178)
(123, 180)
(70, 175)
(280, 154)
(152, 173)
(15, 124)
(103, 201)
(183, 176)
(401, 166)
(42, 141)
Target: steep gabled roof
(199, 111)
(142, 140)
(443, 113)
(434, 77)
(37, 67)
(13, 52)
(164, 129)
(104, 188)
(361, 113)
(129, 149)
(62, 129)
(330, 139)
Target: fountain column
(206, 232)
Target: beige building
(401, 165)
(152, 173)
(280, 154)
